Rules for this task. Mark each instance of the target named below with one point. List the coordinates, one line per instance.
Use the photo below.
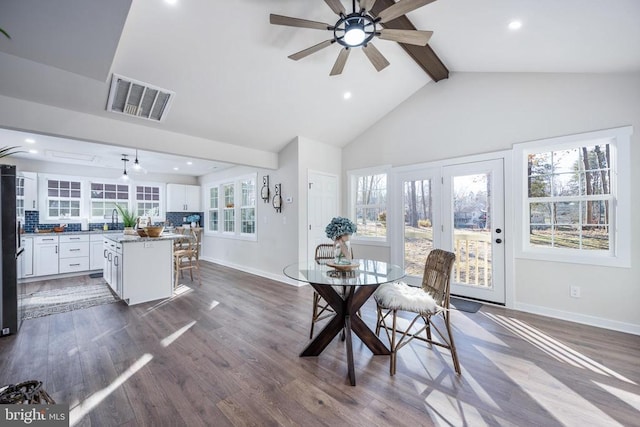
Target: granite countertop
(122, 238)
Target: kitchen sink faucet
(114, 219)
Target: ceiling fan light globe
(354, 36)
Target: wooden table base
(346, 319)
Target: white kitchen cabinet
(117, 271)
(73, 253)
(96, 255)
(25, 261)
(30, 191)
(45, 255)
(183, 198)
(139, 270)
(109, 248)
(112, 271)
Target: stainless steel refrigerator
(10, 240)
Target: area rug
(44, 303)
(465, 305)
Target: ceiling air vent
(138, 99)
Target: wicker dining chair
(426, 303)
(186, 255)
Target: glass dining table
(359, 280)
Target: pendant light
(136, 163)
(125, 159)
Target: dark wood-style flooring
(226, 353)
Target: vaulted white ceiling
(234, 83)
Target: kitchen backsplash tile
(32, 220)
(179, 218)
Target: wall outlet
(6, 331)
(574, 291)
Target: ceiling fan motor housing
(355, 21)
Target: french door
(459, 208)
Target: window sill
(595, 260)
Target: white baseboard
(277, 277)
(579, 318)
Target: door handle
(105, 253)
(498, 240)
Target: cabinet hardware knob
(498, 240)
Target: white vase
(342, 250)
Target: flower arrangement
(193, 218)
(340, 226)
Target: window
(20, 197)
(232, 208)
(104, 198)
(213, 209)
(63, 198)
(248, 207)
(148, 201)
(575, 197)
(229, 208)
(369, 204)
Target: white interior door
(473, 228)
(322, 206)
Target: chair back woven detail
(437, 274)
(324, 251)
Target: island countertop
(127, 238)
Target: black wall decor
(277, 198)
(264, 192)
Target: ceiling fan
(357, 29)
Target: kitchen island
(139, 269)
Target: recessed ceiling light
(33, 151)
(189, 163)
(176, 168)
(30, 141)
(515, 25)
(171, 2)
(347, 95)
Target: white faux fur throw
(400, 296)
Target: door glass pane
(418, 230)
(472, 229)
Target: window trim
(161, 198)
(43, 198)
(352, 177)
(619, 254)
(236, 181)
(90, 217)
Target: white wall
(123, 131)
(277, 233)
(473, 113)
(282, 237)
(313, 156)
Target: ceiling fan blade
(401, 8)
(339, 65)
(336, 6)
(415, 37)
(376, 58)
(308, 51)
(297, 22)
(367, 4)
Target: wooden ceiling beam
(424, 56)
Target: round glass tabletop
(362, 272)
